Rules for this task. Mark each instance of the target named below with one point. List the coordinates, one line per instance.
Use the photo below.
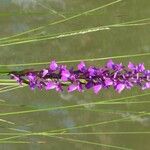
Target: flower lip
(97, 88)
(120, 87)
(72, 88)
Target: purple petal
(81, 66)
(120, 87)
(79, 87)
(65, 73)
(97, 88)
(91, 71)
(141, 67)
(131, 66)
(53, 66)
(72, 88)
(32, 85)
(128, 85)
(89, 85)
(118, 67)
(40, 85)
(72, 77)
(110, 64)
(59, 88)
(108, 82)
(146, 86)
(50, 85)
(31, 77)
(45, 72)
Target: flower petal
(120, 87)
(97, 88)
(81, 66)
(50, 85)
(110, 64)
(72, 88)
(53, 65)
(45, 72)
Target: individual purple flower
(141, 67)
(65, 74)
(81, 66)
(53, 65)
(131, 66)
(91, 71)
(31, 77)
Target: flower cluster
(83, 77)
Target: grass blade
(91, 143)
(69, 106)
(78, 60)
(63, 20)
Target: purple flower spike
(81, 66)
(97, 88)
(53, 66)
(111, 75)
(120, 87)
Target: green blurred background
(17, 16)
